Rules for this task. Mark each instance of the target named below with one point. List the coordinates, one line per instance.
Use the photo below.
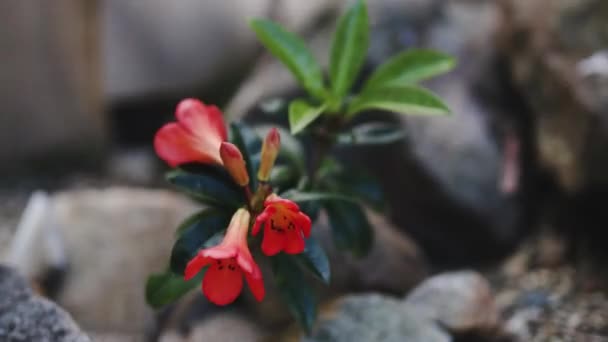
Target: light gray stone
(460, 301)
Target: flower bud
(270, 150)
(234, 163)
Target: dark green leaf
(403, 99)
(350, 228)
(195, 232)
(302, 114)
(213, 186)
(410, 67)
(349, 48)
(294, 290)
(293, 53)
(315, 259)
(166, 288)
(300, 196)
(250, 145)
(335, 178)
(372, 133)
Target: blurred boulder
(50, 94)
(460, 301)
(460, 185)
(370, 317)
(556, 51)
(115, 238)
(158, 47)
(27, 317)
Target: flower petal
(220, 251)
(274, 200)
(259, 222)
(294, 243)
(221, 284)
(201, 120)
(195, 265)
(176, 146)
(273, 241)
(303, 222)
(256, 283)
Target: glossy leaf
(349, 48)
(403, 99)
(410, 67)
(315, 260)
(302, 114)
(166, 288)
(301, 196)
(194, 235)
(294, 290)
(372, 133)
(212, 186)
(250, 145)
(293, 53)
(350, 227)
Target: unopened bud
(234, 163)
(270, 150)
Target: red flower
(228, 262)
(284, 226)
(195, 137)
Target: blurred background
(495, 225)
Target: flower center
(226, 264)
(280, 223)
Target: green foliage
(371, 133)
(399, 99)
(294, 290)
(293, 53)
(349, 49)
(212, 186)
(315, 260)
(165, 288)
(410, 67)
(302, 114)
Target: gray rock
(115, 238)
(460, 301)
(26, 317)
(372, 317)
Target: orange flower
(285, 226)
(228, 262)
(195, 137)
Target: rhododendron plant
(261, 196)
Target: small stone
(373, 317)
(461, 301)
(26, 317)
(225, 327)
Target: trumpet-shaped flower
(228, 262)
(195, 137)
(285, 226)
